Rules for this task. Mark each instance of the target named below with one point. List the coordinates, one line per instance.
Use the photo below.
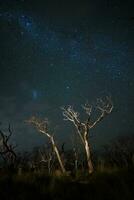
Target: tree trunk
(88, 153)
(58, 155)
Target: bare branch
(5, 147)
(41, 125)
(98, 120)
(83, 128)
(88, 108)
(105, 107)
(10, 133)
(70, 114)
(45, 158)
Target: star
(67, 87)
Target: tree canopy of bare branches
(6, 149)
(42, 127)
(105, 107)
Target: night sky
(55, 53)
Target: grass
(106, 185)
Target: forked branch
(42, 126)
(105, 107)
(5, 147)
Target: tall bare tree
(42, 127)
(105, 107)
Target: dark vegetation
(53, 172)
(29, 176)
(114, 184)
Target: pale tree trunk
(76, 165)
(42, 127)
(88, 152)
(105, 108)
(57, 154)
(49, 166)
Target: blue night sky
(55, 53)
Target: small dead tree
(75, 152)
(42, 127)
(75, 159)
(6, 149)
(83, 128)
(47, 156)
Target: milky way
(54, 55)
(100, 49)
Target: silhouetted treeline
(117, 154)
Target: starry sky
(55, 53)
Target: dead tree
(105, 107)
(47, 156)
(6, 149)
(42, 127)
(75, 152)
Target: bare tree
(6, 149)
(75, 145)
(42, 127)
(121, 151)
(47, 156)
(105, 107)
